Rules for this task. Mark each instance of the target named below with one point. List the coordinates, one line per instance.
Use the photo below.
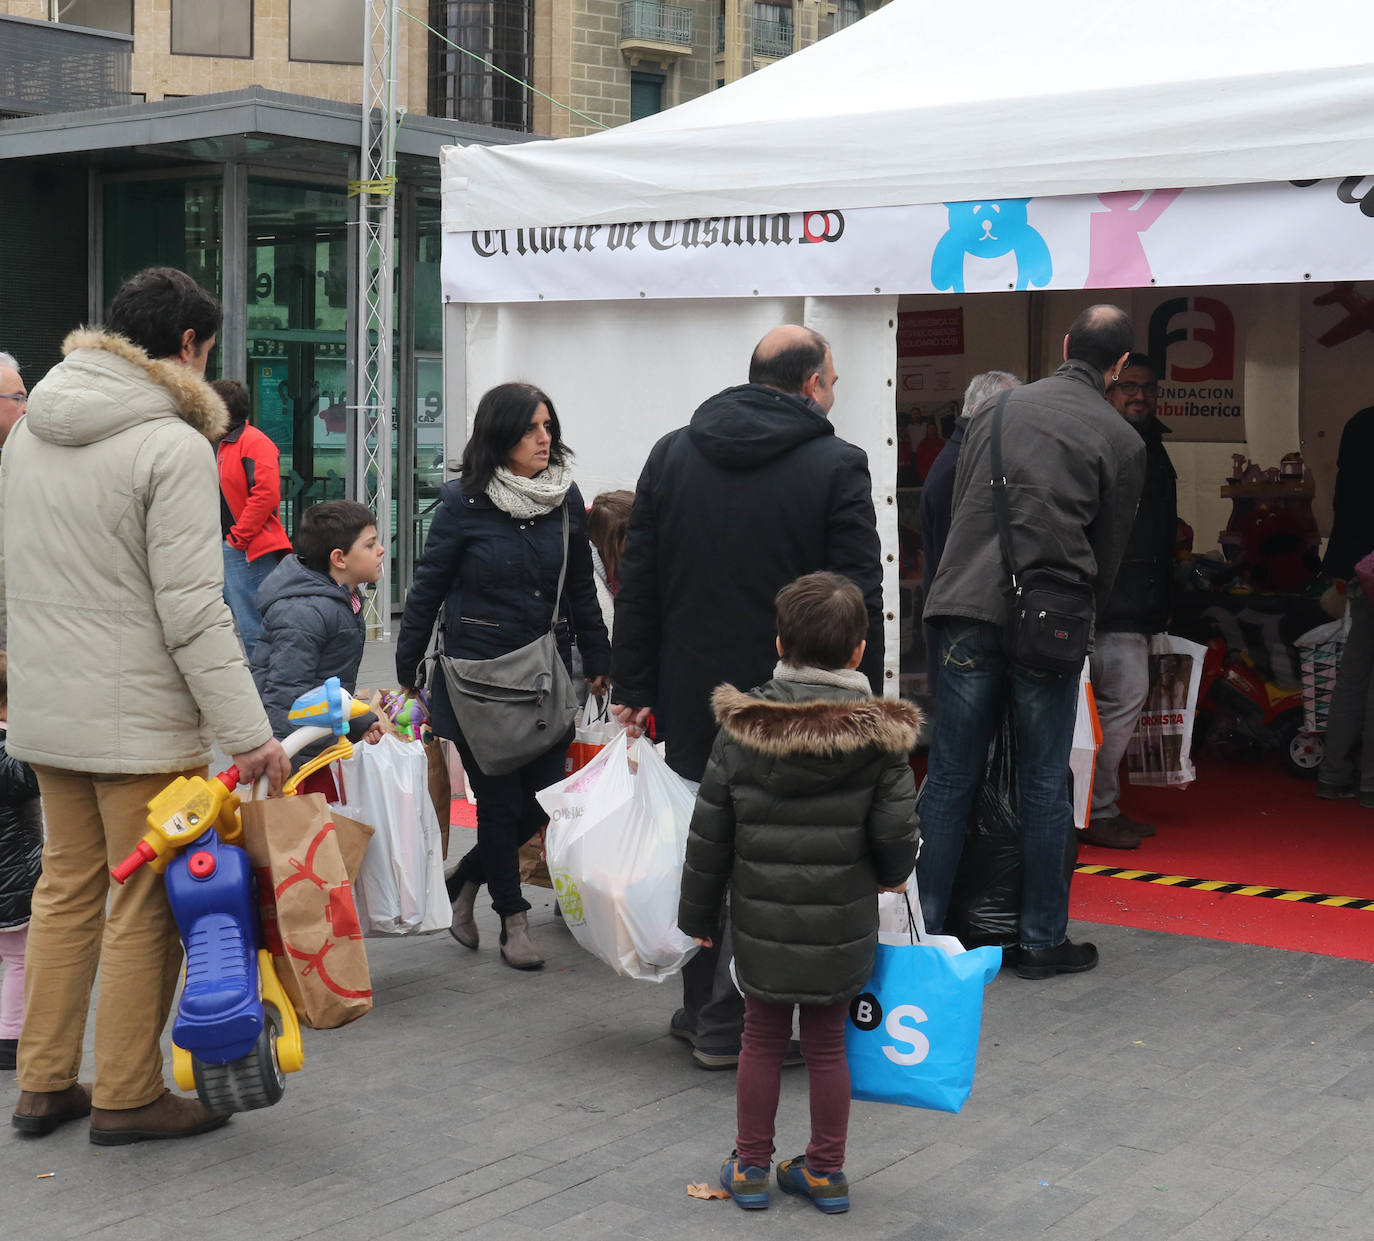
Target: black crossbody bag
(1050, 616)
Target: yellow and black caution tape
(1228, 889)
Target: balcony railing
(649, 22)
(772, 37)
(45, 67)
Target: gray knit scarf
(843, 678)
(529, 497)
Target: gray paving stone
(1185, 1089)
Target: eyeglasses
(1135, 389)
(20, 398)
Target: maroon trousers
(767, 1031)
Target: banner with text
(1284, 232)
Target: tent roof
(927, 101)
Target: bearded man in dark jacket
(1140, 604)
(755, 492)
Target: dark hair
(4, 677)
(789, 368)
(235, 398)
(329, 525)
(154, 308)
(502, 418)
(1100, 335)
(821, 619)
(608, 521)
(1143, 360)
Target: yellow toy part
(183, 811)
(290, 1049)
(342, 748)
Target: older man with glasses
(14, 397)
(1139, 605)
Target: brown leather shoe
(41, 1111)
(1109, 834)
(172, 1116)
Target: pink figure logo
(1116, 256)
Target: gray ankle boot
(464, 926)
(518, 948)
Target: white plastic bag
(400, 888)
(1160, 750)
(1087, 740)
(615, 844)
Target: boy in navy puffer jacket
(312, 622)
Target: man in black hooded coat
(755, 492)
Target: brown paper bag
(354, 837)
(309, 922)
(533, 867)
(440, 791)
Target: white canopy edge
(923, 103)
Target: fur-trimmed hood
(825, 722)
(106, 384)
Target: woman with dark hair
(608, 522)
(493, 560)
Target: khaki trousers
(94, 821)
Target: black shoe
(715, 1058)
(680, 1025)
(1328, 791)
(1109, 833)
(1067, 958)
(1135, 825)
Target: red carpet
(1238, 823)
(1249, 824)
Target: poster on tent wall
(1276, 233)
(1196, 341)
(1336, 373)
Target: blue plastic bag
(912, 1032)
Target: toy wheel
(250, 1082)
(1301, 752)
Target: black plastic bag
(985, 902)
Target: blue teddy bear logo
(988, 230)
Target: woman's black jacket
(495, 576)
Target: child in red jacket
(249, 493)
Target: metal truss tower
(376, 300)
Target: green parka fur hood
(806, 808)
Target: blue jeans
(975, 677)
(242, 578)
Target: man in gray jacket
(123, 662)
(1074, 470)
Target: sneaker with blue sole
(828, 1193)
(748, 1186)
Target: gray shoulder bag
(515, 707)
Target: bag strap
(999, 490)
(562, 572)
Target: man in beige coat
(123, 662)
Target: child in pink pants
(21, 853)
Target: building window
(327, 31)
(116, 15)
(772, 28)
(212, 28)
(463, 88)
(847, 12)
(646, 94)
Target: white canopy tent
(630, 272)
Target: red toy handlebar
(144, 852)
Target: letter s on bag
(900, 1032)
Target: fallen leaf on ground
(699, 1189)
